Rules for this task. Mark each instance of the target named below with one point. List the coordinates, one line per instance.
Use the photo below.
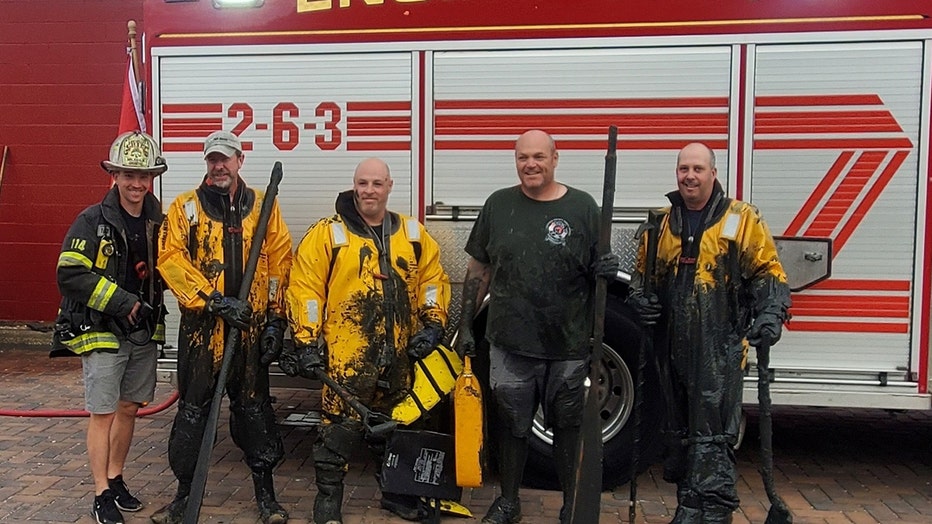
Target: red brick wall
(61, 76)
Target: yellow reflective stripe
(413, 229)
(102, 294)
(159, 335)
(92, 340)
(73, 258)
(338, 232)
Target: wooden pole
(131, 35)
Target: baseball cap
(223, 142)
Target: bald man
(358, 275)
(719, 281)
(533, 249)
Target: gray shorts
(128, 374)
(519, 384)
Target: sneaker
(105, 510)
(407, 507)
(503, 511)
(124, 500)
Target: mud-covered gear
(465, 343)
(205, 241)
(309, 360)
(272, 340)
(765, 331)
(503, 511)
(647, 307)
(425, 340)
(540, 255)
(135, 151)
(712, 279)
(606, 266)
(93, 277)
(235, 311)
(288, 361)
(338, 289)
(171, 513)
(270, 511)
(434, 377)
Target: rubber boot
(688, 509)
(565, 441)
(329, 503)
(685, 515)
(173, 512)
(506, 509)
(270, 511)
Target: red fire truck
(819, 113)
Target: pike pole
(587, 486)
(652, 228)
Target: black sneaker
(503, 511)
(121, 495)
(105, 510)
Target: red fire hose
(148, 410)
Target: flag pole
(134, 56)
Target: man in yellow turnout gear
(205, 242)
(369, 282)
(718, 280)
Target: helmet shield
(135, 151)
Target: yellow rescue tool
(467, 413)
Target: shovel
(467, 413)
(778, 513)
(378, 425)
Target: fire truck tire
(619, 367)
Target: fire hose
(51, 413)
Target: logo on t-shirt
(557, 231)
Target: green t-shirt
(539, 253)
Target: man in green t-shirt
(533, 249)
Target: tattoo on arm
(476, 285)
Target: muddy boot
(686, 515)
(506, 509)
(328, 503)
(270, 511)
(173, 512)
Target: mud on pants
(332, 451)
(706, 412)
(252, 420)
(519, 384)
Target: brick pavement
(833, 466)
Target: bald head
(695, 174)
(372, 183)
(536, 160)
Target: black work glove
(765, 331)
(605, 266)
(235, 311)
(309, 360)
(647, 306)
(288, 361)
(465, 343)
(425, 340)
(271, 341)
